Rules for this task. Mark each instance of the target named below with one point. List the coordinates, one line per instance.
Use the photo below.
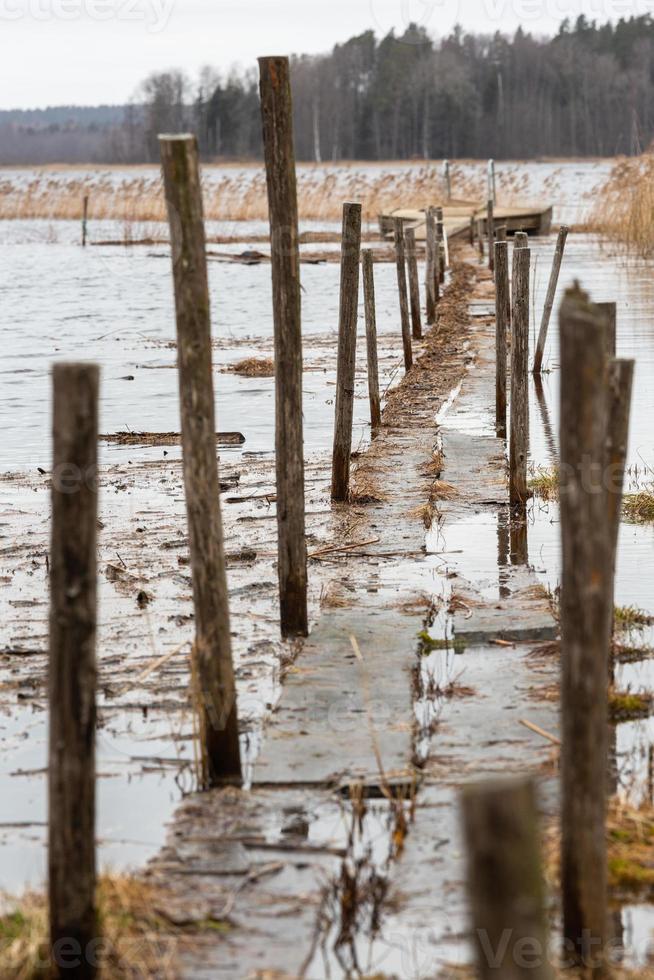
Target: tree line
(589, 90)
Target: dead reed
(624, 207)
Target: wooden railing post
(430, 265)
(277, 120)
(212, 651)
(371, 336)
(505, 883)
(519, 432)
(585, 627)
(502, 323)
(549, 298)
(414, 286)
(402, 290)
(347, 346)
(72, 662)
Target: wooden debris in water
(165, 438)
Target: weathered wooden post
(85, 215)
(519, 432)
(472, 229)
(414, 286)
(502, 323)
(492, 189)
(610, 313)
(72, 661)
(506, 892)
(212, 651)
(620, 384)
(404, 299)
(549, 298)
(277, 120)
(448, 179)
(440, 252)
(501, 233)
(490, 222)
(521, 239)
(430, 265)
(480, 238)
(371, 336)
(585, 628)
(347, 347)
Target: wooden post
(347, 348)
(519, 433)
(404, 300)
(277, 120)
(212, 651)
(72, 661)
(430, 262)
(492, 190)
(521, 239)
(501, 233)
(490, 222)
(472, 229)
(85, 215)
(502, 323)
(505, 883)
(440, 252)
(549, 298)
(371, 337)
(480, 238)
(585, 628)
(448, 179)
(620, 383)
(414, 286)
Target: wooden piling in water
(212, 651)
(519, 430)
(502, 323)
(480, 238)
(620, 383)
(490, 222)
(430, 261)
(277, 122)
(440, 252)
(367, 265)
(549, 298)
(610, 313)
(414, 285)
(72, 662)
(501, 233)
(347, 344)
(506, 892)
(85, 215)
(402, 290)
(585, 628)
(521, 239)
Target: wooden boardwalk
(534, 219)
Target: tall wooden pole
(72, 662)
(277, 119)
(519, 432)
(502, 323)
(620, 384)
(490, 223)
(430, 265)
(347, 346)
(402, 290)
(367, 266)
(585, 627)
(414, 286)
(439, 270)
(505, 882)
(212, 652)
(549, 298)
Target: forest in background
(588, 91)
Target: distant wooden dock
(457, 215)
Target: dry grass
(365, 487)
(545, 484)
(625, 205)
(139, 940)
(254, 367)
(629, 705)
(639, 507)
(631, 618)
(333, 596)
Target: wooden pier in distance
(457, 215)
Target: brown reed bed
(134, 197)
(624, 207)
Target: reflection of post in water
(518, 536)
(547, 424)
(503, 549)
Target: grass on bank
(138, 939)
(639, 507)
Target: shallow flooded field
(115, 305)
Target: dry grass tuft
(639, 507)
(334, 597)
(625, 205)
(365, 487)
(545, 484)
(629, 705)
(138, 939)
(631, 618)
(425, 513)
(443, 491)
(254, 367)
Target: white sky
(84, 52)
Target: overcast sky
(55, 52)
